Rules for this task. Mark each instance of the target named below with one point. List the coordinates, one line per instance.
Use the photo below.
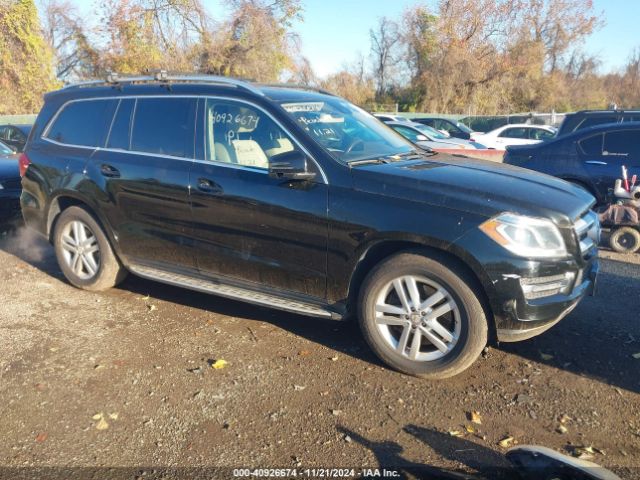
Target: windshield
(4, 150)
(431, 132)
(347, 132)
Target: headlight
(526, 236)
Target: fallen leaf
(562, 429)
(152, 308)
(334, 359)
(113, 416)
(219, 364)
(475, 418)
(42, 437)
(336, 412)
(636, 355)
(455, 433)
(298, 388)
(564, 418)
(304, 353)
(97, 416)
(546, 356)
(505, 442)
(144, 298)
(469, 429)
(102, 424)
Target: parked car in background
(428, 137)
(516, 134)
(387, 117)
(15, 136)
(9, 184)
(590, 118)
(450, 127)
(591, 158)
(298, 200)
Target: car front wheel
(84, 253)
(421, 316)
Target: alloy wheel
(80, 249)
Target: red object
(625, 179)
(633, 181)
(24, 163)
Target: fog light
(540, 287)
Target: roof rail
(163, 76)
(300, 86)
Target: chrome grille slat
(587, 231)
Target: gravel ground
(125, 379)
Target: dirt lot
(124, 379)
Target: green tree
(26, 62)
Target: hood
(439, 144)
(475, 186)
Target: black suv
(591, 118)
(298, 200)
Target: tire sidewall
(469, 309)
(69, 215)
(615, 240)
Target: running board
(233, 292)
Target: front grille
(587, 230)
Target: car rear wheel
(421, 316)
(625, 240)
(84, 253)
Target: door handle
(595, 162)
(109, 171)
(207, 186)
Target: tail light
(24, 163)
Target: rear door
(604, 154)
(143, 172)
(513, 136)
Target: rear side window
(84, 123)
(164, 126)
(592, 145)
(121, 127)
(622, 143)
(515, 133)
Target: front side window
(164, 126)
(4, 150)
(345, 131)
(83, 123)
(540, 134)
(239, 134)
(431, 132)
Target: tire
(466, 322)
(84, 253)
(625, 240)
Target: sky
(334, 32)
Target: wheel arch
(384, 249)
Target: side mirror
(290, 166)
(421, 138)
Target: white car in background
(515, 134)
(388, 117)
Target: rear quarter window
(84, 123)
(592, 145)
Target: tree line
(466, 56)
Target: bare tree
(385, 41)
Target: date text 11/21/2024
(315, 473)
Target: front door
(248, 226)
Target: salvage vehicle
(591, 158)
(514, 134)
(450, 127)
(298, 200)
(9, 184)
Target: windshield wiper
(367, 161)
